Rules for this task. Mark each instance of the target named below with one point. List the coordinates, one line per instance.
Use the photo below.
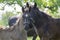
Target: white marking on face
(26, 15)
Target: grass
(30, 38)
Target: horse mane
(41, 17)
(43, 14)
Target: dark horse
(47, 27)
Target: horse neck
(42, 18)
(16, 27)
(20, 24)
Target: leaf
(39, 2)
(19, 2)
(1, 0)
(58, 2)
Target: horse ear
(23, 9)
(35, 5)
(27, 4)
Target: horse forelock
(26, 9)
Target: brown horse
(47, 27)
(18, 32)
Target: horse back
(58, 22)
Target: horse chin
(26, 28)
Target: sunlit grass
(30, 38)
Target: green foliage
(10, 1)
(50, 4)
(1, 0)
(39, 2)
(58, 2)
(19, 2)
(5, 18)
(1, 22)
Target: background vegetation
(51, 7)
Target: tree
(50, 4)
(5, 17)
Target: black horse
(47, 27)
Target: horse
(18, 32)
(12, 20)
(45, 26)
